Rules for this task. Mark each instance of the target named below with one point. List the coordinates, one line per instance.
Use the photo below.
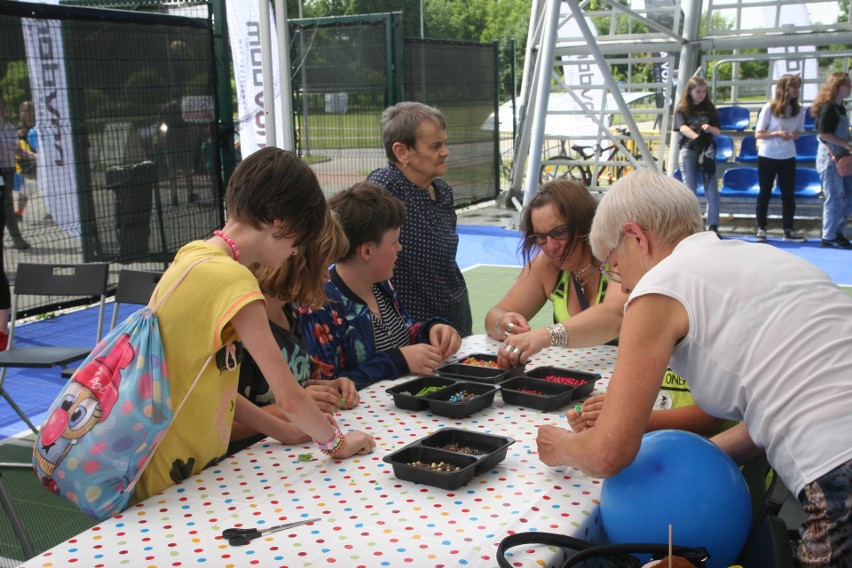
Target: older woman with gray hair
(427, 276)
(763, 337)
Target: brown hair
(401, 121)
(366, 211)
(828, 90)
(688, 108)
(782, 99)
(274, 184)
(575, 206)
(301, 278)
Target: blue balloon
(682, 479)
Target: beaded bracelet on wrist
(332, 446)
(558, 335)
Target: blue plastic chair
(748, 149)
(808, 183)
(810, 121)
(734, 117)
(724, 148)
(806, 147)
(699, 185)
(740, 182)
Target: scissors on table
(239, 537)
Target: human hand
(549, 441)
(517, 349)
(355, 442)
(349, 397)
(422, 359)
(513, 323)
(288, 433)
(325, 394)
(590, 410)
(445, 339)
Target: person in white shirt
(779, 124)
(762, 334)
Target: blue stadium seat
(699, 186)
(734, 117)
(806, 147)
(724, 148)
(740, 182)
(808, 184)
(748, 149)
(810, 121)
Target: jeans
(785, 170)
(690, 171)
(838, 196)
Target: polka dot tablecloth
(368, 517)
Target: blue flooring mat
(35, 389)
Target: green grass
(486, 285)
(362, 128)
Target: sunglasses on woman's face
(559, 233)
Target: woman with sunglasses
(587, 310)
(563, 271)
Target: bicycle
(579, 167)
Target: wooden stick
(670, 546)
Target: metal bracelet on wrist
(558, 335)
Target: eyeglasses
(612, 275)
(559, 233)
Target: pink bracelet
(330, 447)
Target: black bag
(618, 555)
(705, 148)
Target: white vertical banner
(244, 35)
(55, 166)
(807, 69)
(582, 74)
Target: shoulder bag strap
(538, 538)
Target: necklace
(578, 281)
(224, 236)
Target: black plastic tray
(411, 401)
(580, 390)
(401, 461)
(493, 448)
(554, 395)
(477, 373)
(439, 402)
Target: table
(368, 517)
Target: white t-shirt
(775, 147)
(769, 343)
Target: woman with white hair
(762, 335)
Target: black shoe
(841, 239)
(793, 236)
(825, 243)
(20, 244)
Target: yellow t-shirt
(195, 322)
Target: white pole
(288, 140)
(266, 66)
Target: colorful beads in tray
(565, 380)
(531, 391)
(443, 467)
(462, 396)
(479, 362)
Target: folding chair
(748, 149)
(740, 182)
(56, 280)
(134, 287)
(806, 147)
(724, 148)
